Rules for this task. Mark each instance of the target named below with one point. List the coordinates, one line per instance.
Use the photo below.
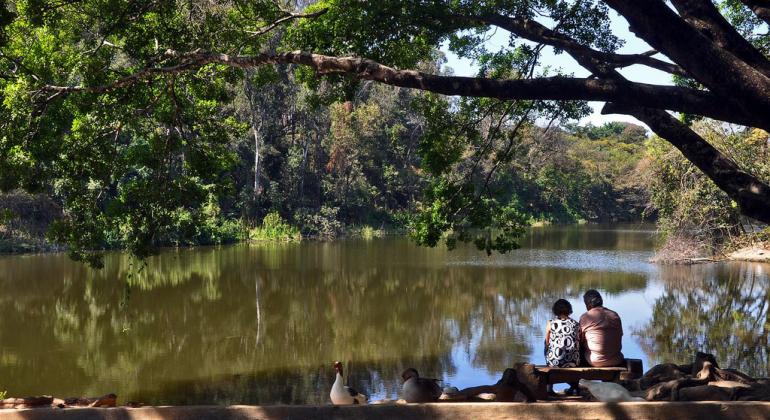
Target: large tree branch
(761, 8)
(716, 68)
(751, 194)
(703, 15)
(548, 88)
(588, 57)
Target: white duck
(609, 391)
(341, 394)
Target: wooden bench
(537, 378)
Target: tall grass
(275, 229)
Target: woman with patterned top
(561, 340)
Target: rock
(755, 392)
(729, 384)
(452, 397)
(631, 385)
(705, 393)
(734, 375)
(27, 402)
(376, 402)
(706, 371)
(660, 373)
(526, 375)
(109, 400)
(700, 359)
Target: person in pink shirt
(601, 333)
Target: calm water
(262, 324)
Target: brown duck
(417, 389)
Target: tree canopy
(126, 105)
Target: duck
(344, 395)
(609, 391)
(417, 389)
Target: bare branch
(288, 17)
(588, 57)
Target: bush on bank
(275, 228)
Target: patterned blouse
(563, 350)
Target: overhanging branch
(586, 56)
(751, 194)
(673, 98)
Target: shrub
(275, 228)
(367, 232)
(323, 224)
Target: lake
(262, 324)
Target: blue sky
(464, 67)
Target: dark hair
(592, 299)
(562, 307)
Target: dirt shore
(487, 411)
(750, 254)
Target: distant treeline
(309, 164)
(329, 167)
(316, 163)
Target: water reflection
(720, 308)
(261, 324)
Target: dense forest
(121, 127)
(326, 168)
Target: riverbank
(684, 248)
(749, 254)
(490, 411)
(753, 254)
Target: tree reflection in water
(262, 324)
(718, 308)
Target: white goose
(341, 394)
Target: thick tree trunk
(751, 194)
(736, 82)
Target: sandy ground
(750, 254)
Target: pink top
(602, 331)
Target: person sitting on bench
(600, 333)
(561, 340)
